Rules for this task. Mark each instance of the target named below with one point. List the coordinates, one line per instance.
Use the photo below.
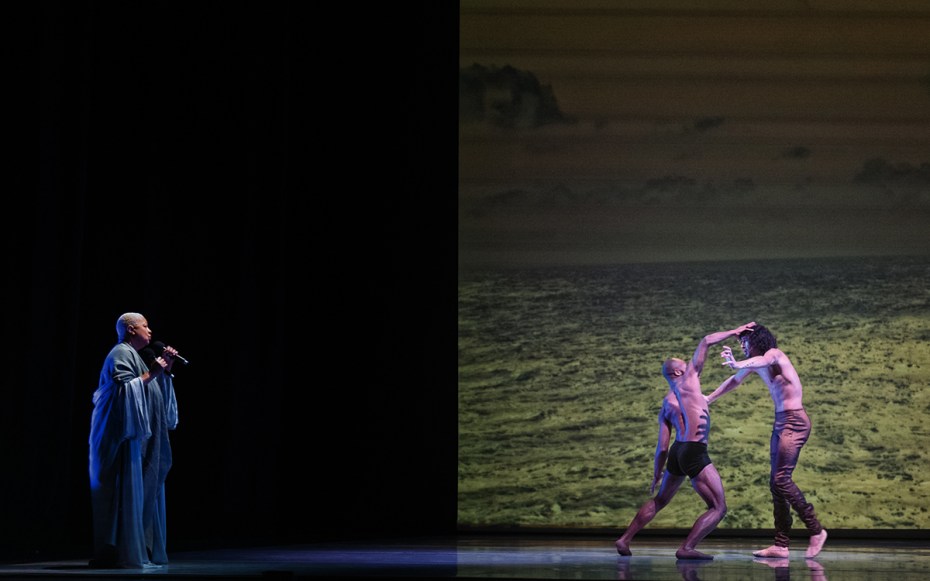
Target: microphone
(160, 347)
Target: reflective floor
(523, 557)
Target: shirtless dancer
(685, 409)
(790, 432)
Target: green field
(560, 386)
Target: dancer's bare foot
(692, 554)
(623, 548)
(773, 552)
(816, 544)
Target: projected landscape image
(635, 175)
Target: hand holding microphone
(170, 353)
(158, 350)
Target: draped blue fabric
(130, 456)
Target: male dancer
(685, 409)
(789, 433)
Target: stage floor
(522, 557)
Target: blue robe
(130, 456)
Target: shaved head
(123, 323)
(673, 367)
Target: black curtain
(279, 202)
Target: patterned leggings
(789, 434)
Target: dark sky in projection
(597, 132)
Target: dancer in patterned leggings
(790, 432)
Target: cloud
(707, 123)
(883, 172)
(798, 152)
(562, 200)
(506, 97)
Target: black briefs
(687, 458)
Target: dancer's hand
(728, 358)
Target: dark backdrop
(273, 187)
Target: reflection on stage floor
(510, 557)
